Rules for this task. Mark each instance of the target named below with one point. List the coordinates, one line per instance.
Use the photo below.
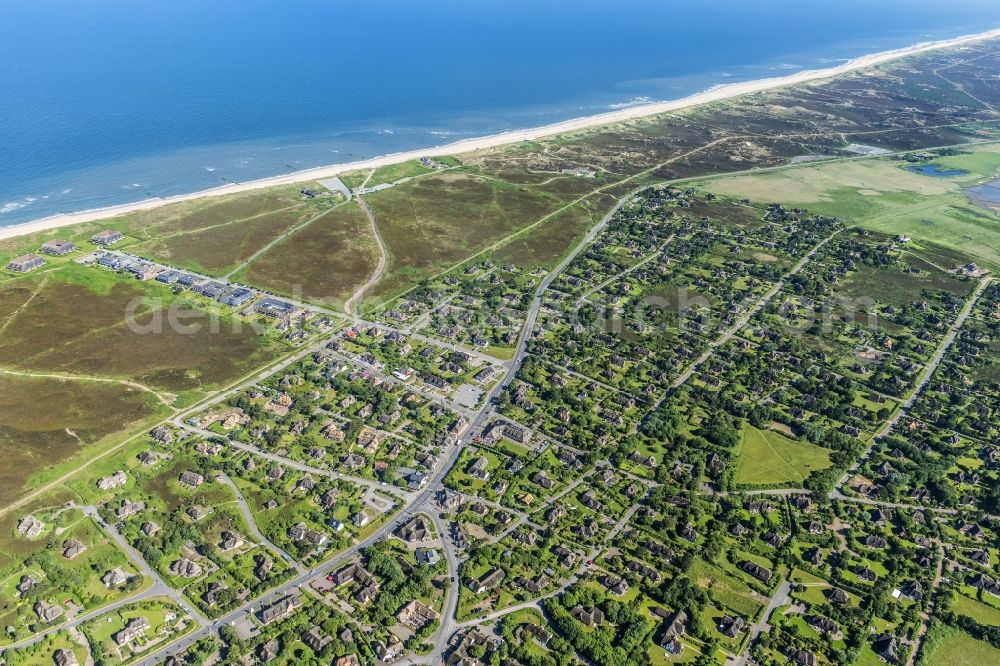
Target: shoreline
(714, 94)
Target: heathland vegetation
(701, 387)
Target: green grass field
(102, 629)
(882, 196)
(393, 172)
(40, 654)
(767, 457)
(815, 588)
(725, 589)
(948, 646)
(978, 611)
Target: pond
(987, 193)
(935, 170)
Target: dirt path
(13, 315)
(215, 397)
(294, 229)
(350, 305)
(187, 232)
(166, 398)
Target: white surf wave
(11, 206)
(635, 101)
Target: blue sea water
(109, 101)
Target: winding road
(252, 524)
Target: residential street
(252, 524)
(781, 597)
(422, 501)
(157, 587)
(740, 323)
(925, 377)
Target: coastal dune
(715, 94)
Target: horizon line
(714, 93)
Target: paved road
(482, 417)
(779, 599)
(300, 466)
(241, 384)
(781, 596)
(416, 502)
(450, 609)
(422, 500)
(628, 271)
(749, 314)
(419, 502)
(158, 588)
(496, 615)
(221, 396)
(411, 386)
(144, 567)
(150, 593)
(252, 524)
(924, 378)
(299, 581)
(536, 301)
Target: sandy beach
(715, 94)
